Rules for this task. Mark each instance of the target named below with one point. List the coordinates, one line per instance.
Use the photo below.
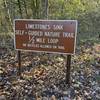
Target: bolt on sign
(55, 36)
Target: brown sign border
(44, 50)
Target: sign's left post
(18, 53)
(19, 62)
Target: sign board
(57, 36)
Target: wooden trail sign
(55, 36)
(46, 35)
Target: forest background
(87, 12)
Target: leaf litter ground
(43, 75)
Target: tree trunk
(25, 7)
(8, 13)
(20, 9)
(45, 9)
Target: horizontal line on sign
(46, 52)
(42, 20)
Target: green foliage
(87, 12)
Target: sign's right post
(68, 68)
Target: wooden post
(68, 67)
(19, 63)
